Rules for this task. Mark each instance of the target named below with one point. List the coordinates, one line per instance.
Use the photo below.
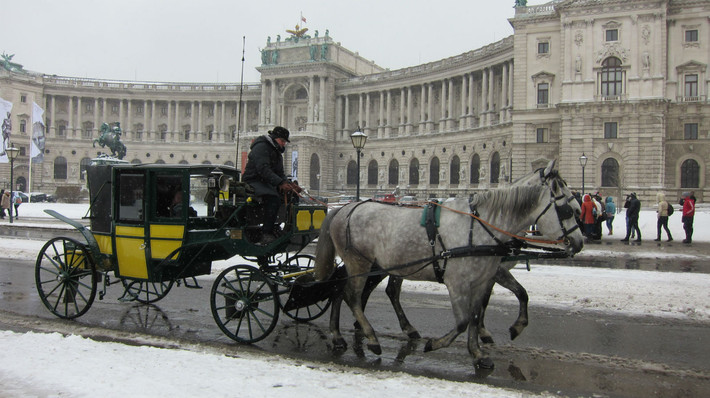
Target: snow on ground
(72, 366)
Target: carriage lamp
(359, 138)
(12, 153)
(583, 162)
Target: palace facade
(622, 82)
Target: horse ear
(550, 167)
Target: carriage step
(191, 284)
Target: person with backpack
(610, 209)
(632, 214)
(662, 213)
(17, 201)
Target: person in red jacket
(587, 217)
(688, 203)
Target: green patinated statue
(10, 66)
(111, 137)
(324, 52)
(521, 3)
(314, 51)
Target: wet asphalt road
(562, 351)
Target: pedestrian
(610, 209)
(662, 214)
(265, 173)
(688, 203)
(626, 206)
(17, 201)
(5, 203)
(599, 214)
(588, 217)
(632, 214)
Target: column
(145, 120)
(176, 127)
(402, 100)
(450, 110)
(78, 117)
(53, 112)
(273, 121)
(338, 117)
(359, 111)
(200, 129)
(367, 114)
(169, 124)
(245, 115)
(321, 99)
(221, 124)
(311, 94)
(104, 110)
(471, 98)
(388, 110)
(504, 93)
(381, 116)
(422, 109)
(484, 97)
(346, 123)
(408, 126)
(442, 117)
(490, 95)
(96, 114)
(153, 118)
(430, 106)
(262, 115)
(509, 110)
(464, 99)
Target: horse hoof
(485, 363)
(414, 335)
(375, 348)
(487, 340)
(513, 333)
(428, 346)
(340, 344)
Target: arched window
(352, 173)
(160, 161)
(454, 170)
(183, 162)
(610, 173)
(60, 168)
(611, 77)
(393, 172)
(138, 161)
(314, 178)
(83, 165)
(372, 172)
(229, 163)
(414, 172)
(475, 169)
(690, 174)
(495, 167)
(203, 162)
(434, 171)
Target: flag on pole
(303, 19)
(5, 110)
(38, 137)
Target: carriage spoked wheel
(66, 277)
(146, 292)
(300, 263)
(244, 303)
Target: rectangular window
(62, 130)
(86, 134)
(23, 126)
(210, 112)
(139, 110)
(612, 34)
(691, 131)
(130, 202)
(610, 129)
(188, 111)
(543, 93)
(23, 98)
(541, 135)
(691, 35)
(89, 107)
(543, 47)
(163, 111)
(691, 85)
(114, 109)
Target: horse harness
(500, 249)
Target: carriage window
(201, 200)
(168, 200)
(130, 206)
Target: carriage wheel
(65, 275)
(146, 292)
(244, 303)
(305, 262)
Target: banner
(294, 165)
(38, 137)
(5, 110)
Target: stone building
(623, 82)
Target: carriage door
(129, 235)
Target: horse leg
(504, 278)
(485, 335)
(393, 290)
(481, 360)
(353, 297)
(339, 343)
(370, 285)
(460, 306)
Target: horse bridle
(564, 212)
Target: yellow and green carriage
(154, 226)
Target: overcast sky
(201, 41)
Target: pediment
(543, 75)
(692, 65)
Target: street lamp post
(583, 162)
(359, 138)
(12, 153)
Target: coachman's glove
(286, 187)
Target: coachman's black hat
(280, 132)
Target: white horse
(368, 234)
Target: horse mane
(517, 200)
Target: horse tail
(325, 249)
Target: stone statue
(8, 65)
(327, 32)
(268, 40)
(578, 64)
(111, 137)
(646, 60)
(521, 3)
(316, 113)
(315, 34)
(278, 38)
(275, 57)
(264, 57)
(324, 52)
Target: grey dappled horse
(371, 234)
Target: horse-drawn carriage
(154, 226)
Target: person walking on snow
(632, 213)
(688, 203)
(662, 217)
